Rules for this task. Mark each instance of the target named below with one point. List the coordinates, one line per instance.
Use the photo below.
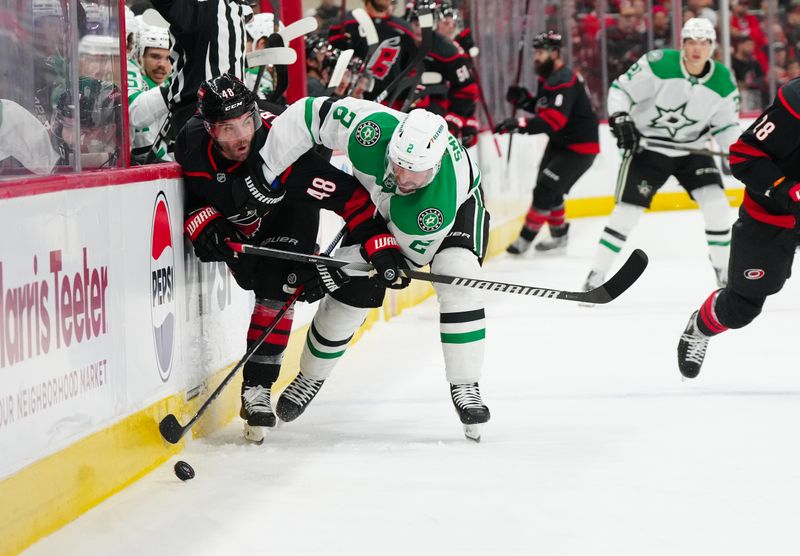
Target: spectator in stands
(749, 75)
(779, 63)
(792, 27)
(625, 43)
(793, 69)
(662, 30)
(744, 24)
(703, 8)
(327, 13)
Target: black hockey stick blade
(617, 284)
(609, 291)
(171, 429)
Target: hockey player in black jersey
(563, 111)
(228, 198)
(394, 51)
(766, 158)
(457, 104)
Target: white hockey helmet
(151, 36)
(262, 25)
(699, 28)
(416, 149)
(131, 25)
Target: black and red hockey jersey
(563, 111)
(447, 59)
(767, 153)
(212, 180)
(394, 52)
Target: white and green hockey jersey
(264, 86)
(362, 129)
(669, 104)
(147, 112)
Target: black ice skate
(557, 244)
(470, 408)
(692, 349)
(522, 243)
(296, 397)
(256, 411)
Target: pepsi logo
(754, 273)
(162, 281)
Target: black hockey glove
(787, 194)
(208, 229)
(624, 130)
(509, 125)
(518, 96)
(465, 40)
(317, 280)
(385, 255)
(469, 133)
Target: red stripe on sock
(708, 315)
(556, 218)
(535, 220)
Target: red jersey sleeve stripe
(742, 148)
(556, 119)
(757, 211)
(786, 104)
(469, 92)
(198, 175)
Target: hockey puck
(183, 470)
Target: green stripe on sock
(611, 246)
(463, 337)
(720, 243)
(321, 354)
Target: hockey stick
(610, 290)
(366, 24)
(677, 147)
(518, 75)
(482, 98)
(274, 56)
(299, 28)
(170, 427)
(403, 82)
(338, 71)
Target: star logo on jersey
(368, 133)
(644, 188)
(673, 120)
(430, 220)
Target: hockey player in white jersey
(679, 99)
(427, 188)
(147, 92)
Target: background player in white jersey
(147, 92)
(679, 99)
(427, 188)
(260, 27)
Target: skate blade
(585, 304)
(554, 252)
(473, 432)
(254, 434)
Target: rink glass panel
(44, 53)
(602, 38)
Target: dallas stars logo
(673, 120)
(368, 133)
(430, 219)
